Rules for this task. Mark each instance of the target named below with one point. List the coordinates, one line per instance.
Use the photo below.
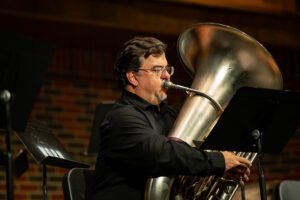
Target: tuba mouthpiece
(166, 84)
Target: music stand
(46, 149)
(24, 63)
(256, 120)
(100, 113)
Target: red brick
(21, 196)
(29, 187)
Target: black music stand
(256, 120)
(100, 113)
(24, 63)
(46, 149)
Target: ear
(132, 78)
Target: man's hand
(238, 168)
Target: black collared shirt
(134, 147)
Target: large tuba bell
(221, 60)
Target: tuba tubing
(169, 84)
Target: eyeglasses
(158, 70)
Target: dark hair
(129, 58)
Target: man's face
(150, 77)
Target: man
(134, 143)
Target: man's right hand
(236, 166)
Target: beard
(162, 96)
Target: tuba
(221, 59)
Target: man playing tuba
(134, 135)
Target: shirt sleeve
(128, 143)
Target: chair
(78, 183)
(288, 190)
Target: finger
(241, 165)
(245, 178)
(242, 182)
(244, 161)
(247, 172)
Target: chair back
(78, 183)
(288, 190)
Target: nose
(165, 75)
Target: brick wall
(77, 80)
(66, 103)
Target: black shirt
(134, 147)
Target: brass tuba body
(221, 59)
